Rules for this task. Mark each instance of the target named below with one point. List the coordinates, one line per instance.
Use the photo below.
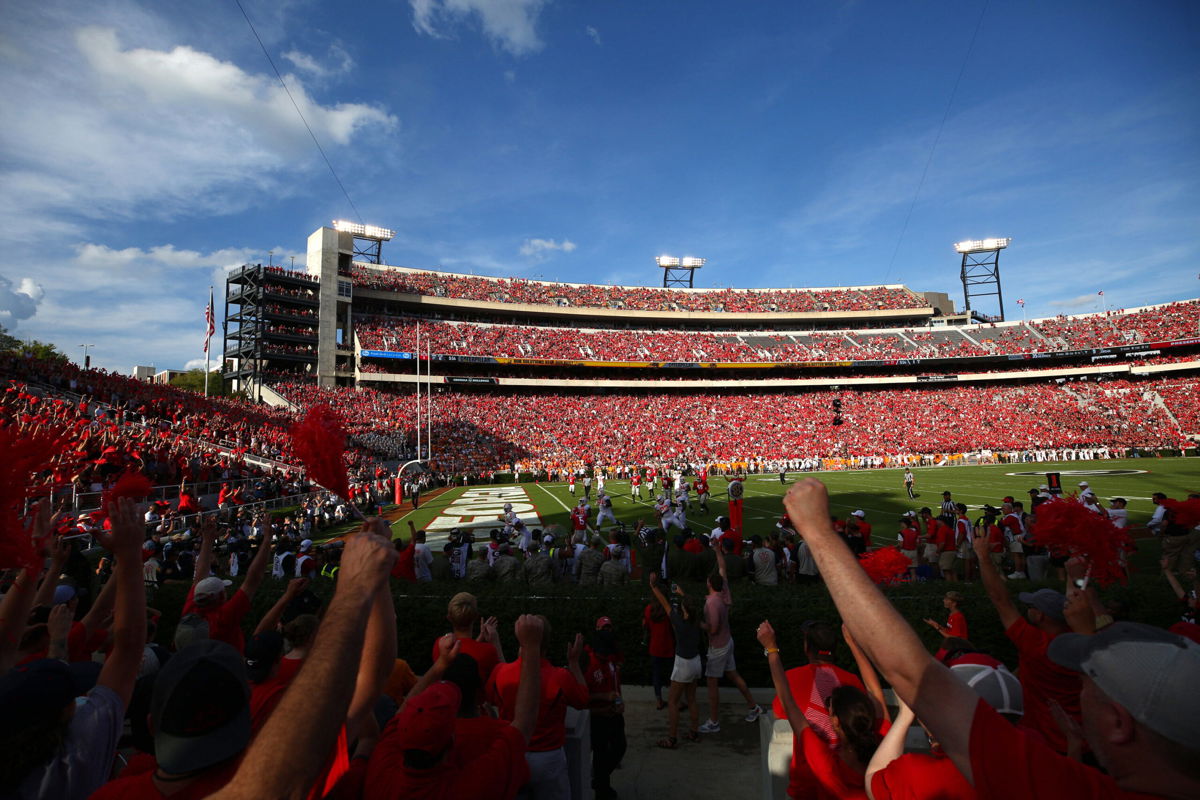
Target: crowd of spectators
(589, 344)
(640, 298)
(479, 432)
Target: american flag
(210, 323)
(1021, 302)
(1101, 292)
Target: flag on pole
(210, 323)
(1021, 302)
(1101, 292)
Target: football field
(879, 493)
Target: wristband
(769, 650)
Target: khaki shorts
(931, 553)
(1016, 547)
(911, 555)
(997, 559)
(946, 559)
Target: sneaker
(710, 726)
(1017, 575)
(755, 713)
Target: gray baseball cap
(1149, 671)
(1047, 601)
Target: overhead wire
(299, 113)
(936, 140)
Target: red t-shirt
(957, 625)
(484, 654)
(559, 690)
(662, 638)
(995, 539)
(405, 568)
(1042, 681)
(477, 766)
(920, 776)
(811, 686)
(693, 545)
(1007, 763)
(834, 780)
(908, 539)
(224, 621)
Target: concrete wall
(324, 248)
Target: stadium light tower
(981, 269)
(679, 271)
(368, 239)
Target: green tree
(8, 343)
(42, 350)
(193, 381)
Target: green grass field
(880, 493)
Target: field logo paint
(1081, 472)
(479, 508)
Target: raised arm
(18, 601)
(60, 551)
(529, 634)
(379, 649)
(870, 677)
(892, 746)
(271, 619)
(257, 570)
(658, 595)
(795, 717)
(993, 584)
(1176, 586)
(721, 561)
(941, 701)
(120, 669)
(311, 713)
(208, 539)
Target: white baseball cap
(858, 513)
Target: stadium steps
(910, 341)
(970, 339)
(1035, 331)
(1156, 399)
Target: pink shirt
(716, 614)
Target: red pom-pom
(1066, 527)
(22, 456)
(319, 440)
(132, 484)
(885, 565)
(1184, 512)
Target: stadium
(521, 498)
(752, 379)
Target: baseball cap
(604, 622)
(1149, 671)
(63, 593)
(191, 628)
(427, 721)
(1047, 601)
(210, 587)
(31, 691)
(262, 652)
(306, 545)
(858, 513)
(547, 539)
(200, 708)
(992, 681)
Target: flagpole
(207, 348)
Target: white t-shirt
(1119, 517)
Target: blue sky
(146, 147)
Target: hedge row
(421, 610)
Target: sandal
(668, 743)
(692, 736)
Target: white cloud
(20, 303)
(339, 62)
(1081, 301)
(509, 24)
(542, 248)
(114, 132)
(594, 34)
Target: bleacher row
(634, 298)
(1162, 323)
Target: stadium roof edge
(451, 273)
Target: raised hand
(766, 636)
(575, 649)
(529, 630)
(448, 649)
(807, 504)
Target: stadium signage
(481, 507)
(936, 378)
(962, 363)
